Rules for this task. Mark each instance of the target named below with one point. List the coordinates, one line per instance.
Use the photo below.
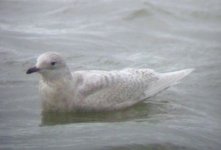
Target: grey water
(165, 35)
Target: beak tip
(28, 72)
(32, 70)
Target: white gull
(66, 91)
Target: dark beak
(32, 70)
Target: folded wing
(119, 89)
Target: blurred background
(165, 35)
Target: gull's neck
(63, 75)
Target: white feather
(102, 90)
(166, 80)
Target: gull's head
(49, 65)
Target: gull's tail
(166, 80)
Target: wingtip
(188, 71)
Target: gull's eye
(53, 63)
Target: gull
(96, 90)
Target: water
(165, 35)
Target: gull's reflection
(139, 111)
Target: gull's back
(112, 90)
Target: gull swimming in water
(66, 91)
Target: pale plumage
(97, 90)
